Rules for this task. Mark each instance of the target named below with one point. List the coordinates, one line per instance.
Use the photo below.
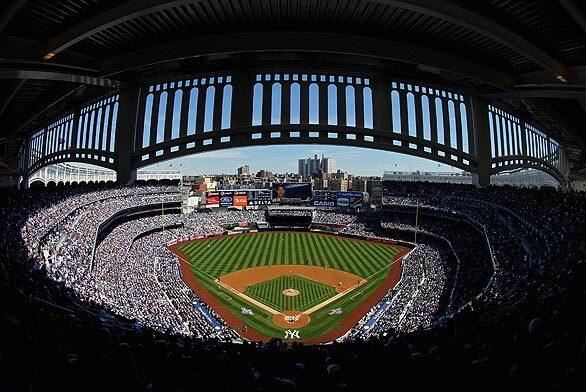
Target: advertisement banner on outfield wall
(337, 199)
(226, 199)
(261, 197)
(323, 203)
(240, 199)
(213, 199)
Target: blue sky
(280, 159)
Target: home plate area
(290, 292)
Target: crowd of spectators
(288, 212)
(526, 230)
(138, 280)
(68, 248)
(212, 223)
(183, 302)
(472, 268)
(125, 283)
(416, 300)
(55, 338)
(333, 218)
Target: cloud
(339, 152)
(347, 155)
(224, 154)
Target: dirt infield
(343, 282)
(282, 320)
(336, 332)
(340, 280)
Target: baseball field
(291, 285)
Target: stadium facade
(447, 285)
(436, 96)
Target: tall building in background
(309, 166)
(244, 170)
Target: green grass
(217, 257)
(270, 293)
(213, 258)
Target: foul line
(246, 297)
(194, 267)
(274, 312)
(390, 264)
(334, 298)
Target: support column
(381, 104)
(479, 114)
(125, 132)
(564, 169)
(242, 99)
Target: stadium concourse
(494, 288)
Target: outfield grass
(271, 293)
(213, 258)
(217, 257)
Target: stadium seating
(493, 302)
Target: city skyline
(284, 159)
(309, 166)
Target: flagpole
(163, 217)
(416, 220)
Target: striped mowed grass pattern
(310, 294)
(222, 255)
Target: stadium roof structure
(527, 57)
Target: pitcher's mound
(291, 319)
(290, 292)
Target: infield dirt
(340, 280)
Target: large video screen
(292, 190)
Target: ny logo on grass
(291, 334)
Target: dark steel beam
(47, 103)
(541, 91)
(36, 74)
(482, 25)
(305, 42)
(112, 17)
(11, 94)
(19, 50)
(576, 74)
(575, 12)
(576, 136)
(440, 9)
(9, 12)
(45, 66)
(125, 134)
